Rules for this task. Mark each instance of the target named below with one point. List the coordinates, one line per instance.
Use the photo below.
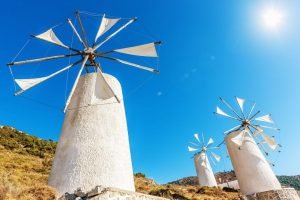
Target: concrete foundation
(204, 171)
(253, 172)
(93, 148)
(282, 194)
(101, 193)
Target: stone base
(283, 194)
(101, 193)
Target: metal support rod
(76, 33)
(131, 64)
(251, 110)
(252, 118)
(75, 83)
(82, 29)
(42, 59)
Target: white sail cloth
(241, 103)
(147, 50)
(25, 84)
(265, 118)
(221, 112)
(105, 25)
(269, 141)
(50, 36)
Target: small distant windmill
(93, 148)
(253, 171)
(204, 171)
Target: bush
(23, 143)
(139, 174)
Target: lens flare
(272, 18)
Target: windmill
(93, 148)
(204, 171)
(245, 144)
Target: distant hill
(287, 181)
(290, 181)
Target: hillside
(25, 163)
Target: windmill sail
(105, 25)
(239, 138)
(197, 137)
(147, 50)
(210, 141)
(241, 103)
(25, 84)
(258, 131)
(191, 149)
(217, 157)
(265, 118)
(269, 141)
(50, 36)
(221, 112)
(132, 64)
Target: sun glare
(272, 18)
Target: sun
(272, 18)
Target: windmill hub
(246, 123)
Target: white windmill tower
(93, 148)
(243, 143)
(204, 171)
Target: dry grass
(182, 192)
(23, 177)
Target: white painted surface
(204, 171)
(253, 172)
(93, 148)
(231, 184)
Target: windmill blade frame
(89, 55)
(76, 33)
(82, 29)
(41, 59)
(130, 64)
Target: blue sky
(210, 48)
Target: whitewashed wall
(93, 148)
